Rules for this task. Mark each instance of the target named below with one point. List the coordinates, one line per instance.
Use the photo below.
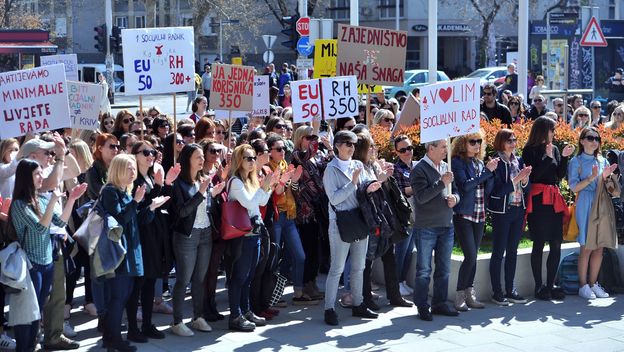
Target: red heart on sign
(445, 94)
(424, 100)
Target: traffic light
(290, 24)
(115, 39)
(100, 38)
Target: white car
(488, 74)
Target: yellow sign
(237, 61)
(325, 55)
(362, 88)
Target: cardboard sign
(260, 101)
(340, 97)
(232, 87)
(306, 100)
(363, 88)
(409, 115)
(449, 109)
(325, 54)
(84, 104)
(158, 60)
(373, 55)
(227, 114)
(69, 60)
(33, 100)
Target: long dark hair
(539, 131)
(24, 189)
(584, 133)
(185, 162)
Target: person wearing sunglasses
(106, 147)
(492, 108)
(537, 108)
(584, 171)
(538, 87)
(557, 104)
(617, 118)
(597, 118)
(160, 127)
(384, 118)
(107, 121)
(580, 118)
(403, 249)
(122, 122)
(138, 129)
(546, 208)
(516, 109)
(507, 204)
(474, 180)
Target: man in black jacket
(492, 108)
(538, 108)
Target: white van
(89, 73)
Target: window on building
(412, 57)
(613, 10)
(387, 9)
(139, 22)
(121, 21)
(338, 9)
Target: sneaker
(499, 299)
(90, 309)
(162, 307)
(543, 293)
(460, 301)
(331, 318)
(404, 289)
(346, 301)
(181, 329)
(514, 297)
(586, 292)
(6, 343)
(599, 291)
(67, 311)
(201, 325)
(63, 343)
(68, 330)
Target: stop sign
(303, 26)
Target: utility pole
(432, 41)
(109, 58)
(523, 46)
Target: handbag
(235, 221)
(351, 224)
(572, 231)
(88, 234)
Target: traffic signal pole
(109, 58)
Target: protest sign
(84, 104)
(306, 100)
(69, 60)
(409, 115)
(33, 100)
(232, 87)
(339, 97)
(373, 55)
(325, 53)
(449, 109)
(261, 96)
(158, 60)
(362, 88)
(226, 114)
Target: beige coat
(601, 228)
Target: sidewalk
(573, 325)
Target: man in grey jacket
(430, 180)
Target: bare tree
(11, 17)
(279, 8)
(487, 10)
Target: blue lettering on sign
(141, 65)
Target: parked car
(488, 74)
(413, 79)
(89, 72)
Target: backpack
(567, 274)
(401, 207)
(274, 283)
(610, 276)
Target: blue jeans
(243, 270)
(100, 294)
(403, 255)
(439, 239)
(507, 230)
(118, 289)
(285, 229)
(42, 276)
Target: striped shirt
(33, 237)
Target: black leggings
(310, 240)
(143, 288)
(551, 264)
(82, 261)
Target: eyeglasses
(511, 141)
(592, 138)
(49, 153)
(538, 100)
(279, 149)
(582, 115)
(114, 146)
(487, 94)
(289, 129)
(250, 158)
(311, 138)
(474, 142)
(221, 132)
(130, 120)
(138, 132)
(406, 149)
(387, 119)
(179, 141)
(348, 127)
(109, 122)
(280, 126)
(596, 107)
(559, 105)
(147, 152)
(164, 125)
(349, 144)
(214, 151)
(514, 103)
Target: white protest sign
(261, 96)
(69, 60)
(340, 97)
(84, 104)
(33, 100)
(306, 100)
(225, 114)
(158, 60)
(449, 109)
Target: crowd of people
(318, 198)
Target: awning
(27, 47)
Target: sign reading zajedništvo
(158, 60)
(331, 98)
(232, 87)
(69, 60)
(260, 101)
(33, 100)
(84, 104)
(449, 109)
(374, 55)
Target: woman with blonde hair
(616, 118)
(244, 187)
(580, 118)
(474, 180)
(384, 118)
